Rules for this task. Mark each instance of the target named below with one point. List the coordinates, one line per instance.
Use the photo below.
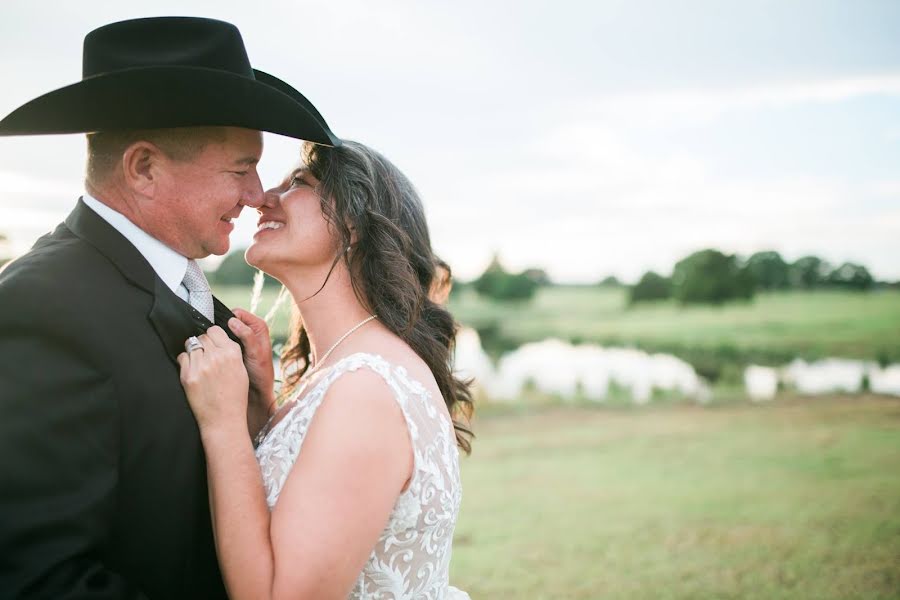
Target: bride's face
(292, 231)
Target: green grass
(864, 325)
(795, 499)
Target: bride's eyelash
(296, 178)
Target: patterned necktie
(199, 295)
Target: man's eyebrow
(247, 160)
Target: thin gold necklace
(335, 345)
(305, 378)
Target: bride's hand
(215, 380)
(254, 335)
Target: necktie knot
(194, 279)
(199, 294)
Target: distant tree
(769, 270)
(610, 281)
(651, 286)
(458, 286)
(539, 276)
(808, 272)
(499, 284)
(710, 277)
(234, 270)
(851, 276)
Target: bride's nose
(270, 200)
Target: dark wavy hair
(376, 212)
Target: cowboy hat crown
(166, 72)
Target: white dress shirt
(168, 264)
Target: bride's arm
(356, 458)
(239, 512)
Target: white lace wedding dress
(412, 557)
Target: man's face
(195, 200)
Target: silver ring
(192, 344)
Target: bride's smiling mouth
(268, 225)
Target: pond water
(594, 372)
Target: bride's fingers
(218, 336)
(187, 365)
(209, 345)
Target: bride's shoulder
(360, 415)
(394, 359)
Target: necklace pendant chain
(336, 344)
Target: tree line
(713, 277)
(705, 277)
(708, 276)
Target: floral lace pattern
(412, 556)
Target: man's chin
(219, 248)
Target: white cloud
(16, 186)
(700, 105)
(589, 196)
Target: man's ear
(141, 167)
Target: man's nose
(253, 195)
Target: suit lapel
(173, 319)
(92, 228)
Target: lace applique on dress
(412, 556)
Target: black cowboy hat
(169, 72)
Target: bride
(352, 488)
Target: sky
(585, 138)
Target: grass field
(785, 324)
(794, 499)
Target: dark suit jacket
(102, 475)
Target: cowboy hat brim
(171, 96)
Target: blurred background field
(796, 499)
(780, 324)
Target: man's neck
(168, 264)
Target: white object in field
(885, 380)
(559, 368)
(831, 375)
(761, 383)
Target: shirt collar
(168, 264)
